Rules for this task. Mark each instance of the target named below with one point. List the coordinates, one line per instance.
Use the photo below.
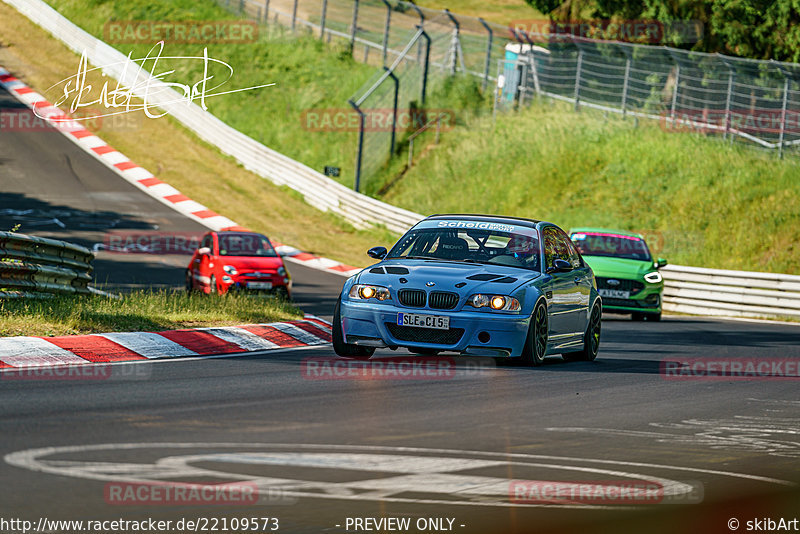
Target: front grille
(624, 284)
(626, 303)
(425, 335)
(442, 300)
(414, 298)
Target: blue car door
(560, 290)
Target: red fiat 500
(235, 261)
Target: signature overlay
(122, 99)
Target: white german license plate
(614, 293)
(259, 285)
(439, 322)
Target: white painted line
(149, 344)
(27, 351)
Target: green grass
(137, 311)
(702, 201)
(498, 11)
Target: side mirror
(377, 252)
(560, 266)
(660, 262)
(204, 251)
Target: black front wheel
(337, 337)
(536, 343)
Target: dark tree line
(760, 29)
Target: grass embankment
(137, 311)
(702, 201)
(497, 11)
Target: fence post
(536, 88)
(266, 11)
(675, 93)
(323, 19)
(427, 61)
(294, 15)
(354, 27)
(578, 81)
(386, 27)
(486, 64)
(728, 100)
(396, 81)
(360, 151)
(783, 113)
(455, 41)
(625, 85)
(421, 24)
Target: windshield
(234, 244)
(613, 245)
(471, 246)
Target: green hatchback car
(627, 276)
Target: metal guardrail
(703, 291)
(688, 289)
(31, 265)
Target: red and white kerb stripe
(27, 351)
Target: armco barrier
(688, 289)
(318, 190)
(39, 265)
(702, 291)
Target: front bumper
(477, 333)
(279, 285)
(647, 301)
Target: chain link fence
(756, 102)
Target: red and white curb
(34, 352)
(144, 179)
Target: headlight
(495, 302)
(281, 270)
(230, 269)
(654, 277)
(366, 292)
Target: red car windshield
(234, 244)
(613, 245)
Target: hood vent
(484, 277)
(396, 270)
(377, 270)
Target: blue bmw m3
(478, 285)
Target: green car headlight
(654, 277)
